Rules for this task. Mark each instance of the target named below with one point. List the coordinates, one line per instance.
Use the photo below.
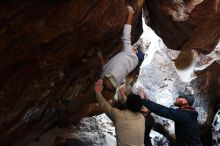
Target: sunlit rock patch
(96, 130)
(216, 129)
(164, 72)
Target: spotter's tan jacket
(129, 126)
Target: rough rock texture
(51, 49)
(187, 24)
(95, 130)
(161, 81)
(164, 72)
(216, 129)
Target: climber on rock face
(185, 118)
(129, 123)
(119, 66)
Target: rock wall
(193, 27)
(185, 24)
(164, 72)
(52, 49)
(216, 129)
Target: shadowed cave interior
(53, 50)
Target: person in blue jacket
(185, 118)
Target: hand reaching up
(122, 90)
(130, 10)
(144, 109)
(142, 94)
(130, 15)
(98, 86)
